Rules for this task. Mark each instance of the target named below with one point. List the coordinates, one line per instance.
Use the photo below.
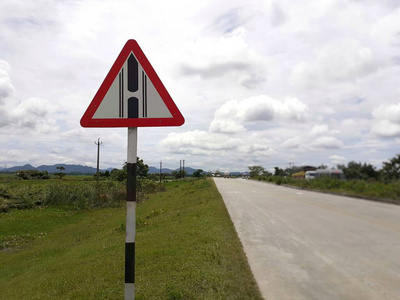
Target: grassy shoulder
(187, 248)
(373, 190)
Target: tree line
(389, 172)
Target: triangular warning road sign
(132, 95)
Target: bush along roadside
(73, 195)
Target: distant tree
(118, 175)
(256, 170)
(279, 172)
(141, 168)
(391, 169)
(322, 167)
(33, 174)
(156, 176)
(178, 174)
(355, 170)
(198, 173)
(369, 171)
(105, 174)
(266, 173)
(60, 174)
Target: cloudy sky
(259, 82)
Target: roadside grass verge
(186, 248)
(373, 190)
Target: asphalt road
(307, 245)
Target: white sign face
(132, 95)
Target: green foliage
(32, 174)
(391, 169)
(279, 172)
(20, 197)
(60, 174)
(118, 175)
(355, 170)
(145, 187)
(85, 195)
(141, 168)
(178, 174)
(256, 170)
(197, 173)
(121, 175)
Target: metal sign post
(130, 215)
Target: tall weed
(85, 195)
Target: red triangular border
(132, 46)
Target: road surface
(308, 245)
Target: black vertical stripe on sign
(120, 96)
(133, 76)
(122, 93)
(143, 114)
(133, 107)
(129, 262)
(145, 94)
(131, 182)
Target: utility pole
(98, 143)
(180, 168)
(291, 166)
(160, 169)
(183, 173)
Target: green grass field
(186, 248)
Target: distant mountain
(153, 170)
(19, 168)
(77, 169)
(68, 169)
(189, 170)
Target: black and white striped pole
(130, 215)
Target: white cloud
(319, 129)
(386, 30)
(338, 61)
(327, 142)
(385, 128)
(201, 140)
(233, 116)
(388, 112)
(226, 126)
(318, 138)
(6, 88)
(225, 57)
(337, 159)
(32, 114)
(387, 120)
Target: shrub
(33, 174)
(85, 196)
(145, 187)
